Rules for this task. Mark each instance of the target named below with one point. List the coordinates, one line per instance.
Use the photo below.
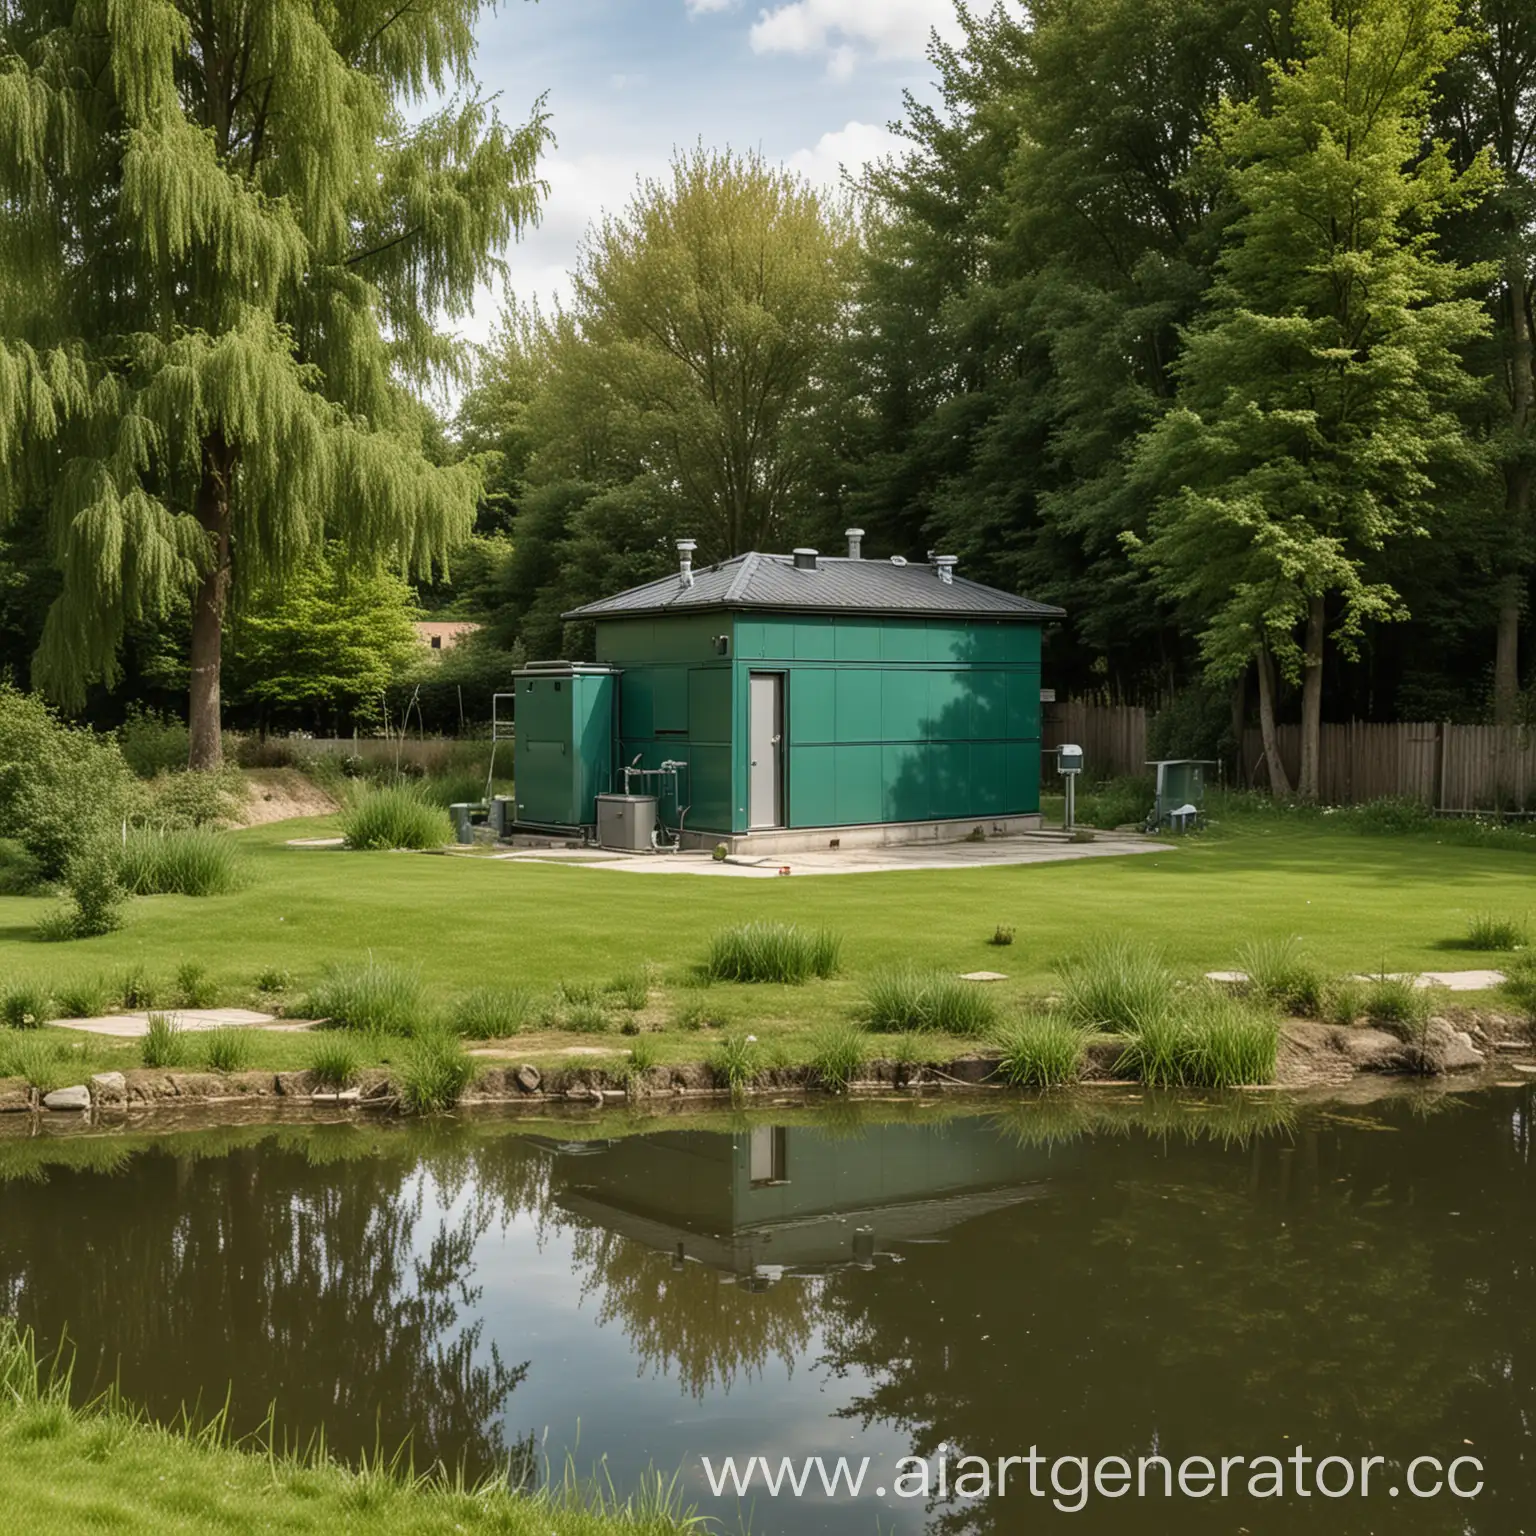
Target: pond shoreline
(1474, 1049)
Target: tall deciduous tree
(223, 249)
(1318, 397)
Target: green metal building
(814, 696)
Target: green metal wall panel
(812, 705)
(903, 704)
(856, 640)
(949, 706)
(709, 704)
(904, 640)
(951, 642)
(904, 776)
(858, 704)
(563, 751)
(813, 786)
(669, 700)
(860, 785)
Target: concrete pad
(1001, 851)
(1452, 981)
(133, 1026)
(983, 976)
(316, 842)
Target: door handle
(775, 740)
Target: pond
(1116, 1276)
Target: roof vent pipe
(945, 565)
(855, 543)
(685, 549)
(805, 560)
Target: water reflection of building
(773, 1200)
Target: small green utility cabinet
(563, 755)
(797, 699)
(1180, 783)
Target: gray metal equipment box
(626, 822)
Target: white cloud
(704, 7)
(849, 148)
(844, 29)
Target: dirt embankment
(282, 794)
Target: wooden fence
(1450, 767)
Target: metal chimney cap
(687, 546)
(945, 565)
(805, 560)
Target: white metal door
(765, 741)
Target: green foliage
(1519, 985)
(736, 1060)
(195, 861)
(1041, 1050)
(1344, 1001)
(373, 997)
(152, 743)
(580, 994)
(85, 997)
(335, 1062)
(695, 1014)
(1491, 931)
(227, 1050)
(396, 816)
(586, 1018)
(1115, 803)
(41, 1060)
(838, 1053)
(927, 1002)
(195, 988)
(93, 881)
(291, 250)
(1002, 935)
(166, 1044)
(140, 989)
(492, 1013)
(173, 801)
(26, 1005)
(630, 989)
(643, 1054)
(1278, 973)
(772, 952)
(1209, 1040)
(1397, 1004)
(1118, 985)
(433, 1072)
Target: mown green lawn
(1357, 903)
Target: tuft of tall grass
(42, 1060)
(491, 1013)
(1209, 1041)
(577, 993)
(85, 997)
(1117, 985)
(630, 989)
(1519, 985)
(1344, 1001)
(227, 1050)
(26, 1005)
(187, 861)
(1278, 973)
(1041, 1050)
(394, 816)
(1489, 931)
(586, 1019)
(140, 989)
(335, 1061)
(693, 1015)
(773, 952)
(433, 1072)
(838, 1054)
(736, 1061)
(165, 1044)
(929, 1002)
(195, 988)
(644, 1054)
(376, 997)
(1397, 1004)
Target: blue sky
(811, 83)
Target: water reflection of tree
(316, 1283)
(704, 1326)
(1217, 1302)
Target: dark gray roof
(837, 585)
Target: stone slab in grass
(983, 976)
(1452, 981)
(133, 1026)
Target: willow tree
(1316, 419)
(225, 242)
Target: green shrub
(644, 1054)
(165, 1044)
(838, 1054)
(433, 1072)
(1488, 931)
(26, 1006)
(140, 990)
(42, 1060)
(586, 1019)
(394, 816)
(630, 989)
(1397, 1004)
(1519, 985)
(1041, 1050)
(1344, 1001)
(736, 1061)
(227, 1050)
(1002, 935)
(1391, 816)
(928, 1002)
(492, 1013)
(192, 861)
(772, 952)
(152, 742)
(20, 873)
(335, 1061)
(1115, 803)
(375, 996)
(274, 980)
(1278, 973)
(94, 882)
(1117, 986)
(85, 997)
(194, 987)
(173, 802)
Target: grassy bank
(67, 1469)
(591, 960)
